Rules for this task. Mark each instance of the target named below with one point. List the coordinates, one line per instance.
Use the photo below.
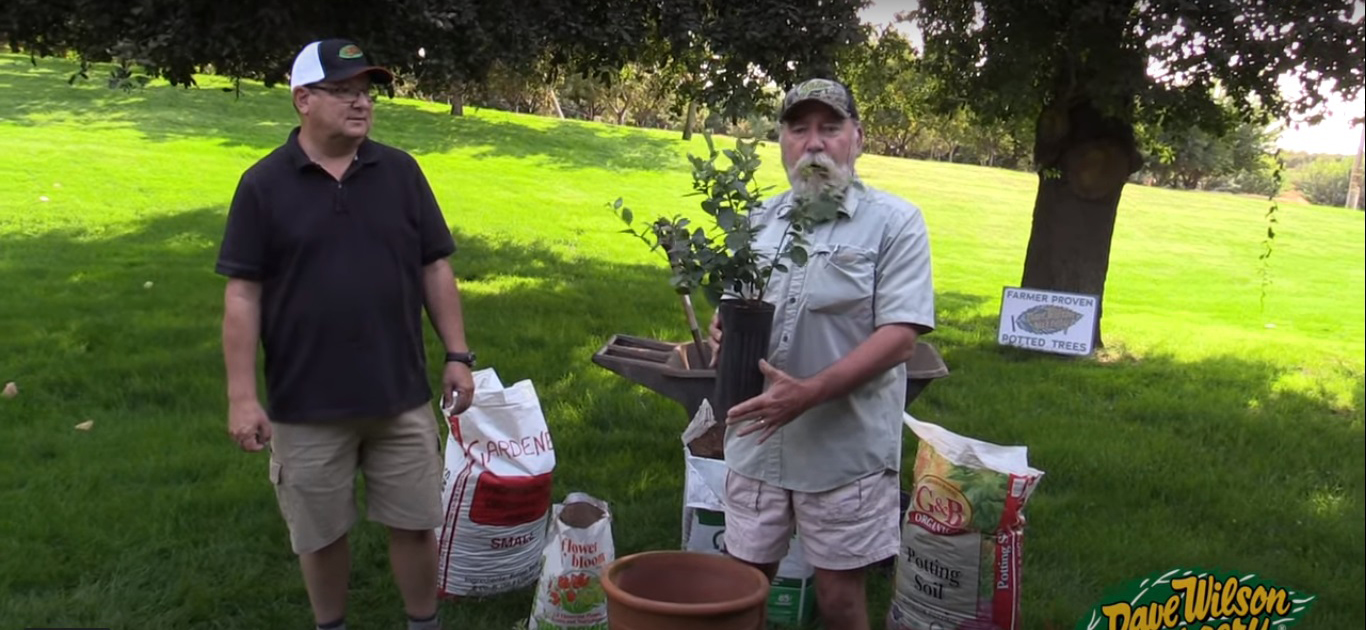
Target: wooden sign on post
(1048, 321)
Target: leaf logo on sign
(1046, 319)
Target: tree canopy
(728, 50)
(1161, 61)
(1085, 71)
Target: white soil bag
(496, 491)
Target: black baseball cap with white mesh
(334, 60)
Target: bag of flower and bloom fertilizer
(569, 594)
(961, 537)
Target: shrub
(1324, 181)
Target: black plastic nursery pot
(746, 326)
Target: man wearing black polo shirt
(333, 246)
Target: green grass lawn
(1218, 431)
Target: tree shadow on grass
(153, 520)
(261, 118)
(86, 338)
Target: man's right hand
(248, 425)
(715, 336)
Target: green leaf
(626, 215)
(823, 210)
(798, 255)
(713, 293)
(617, 203)
(726, 219)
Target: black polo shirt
(340, 265)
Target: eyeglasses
(350, 94)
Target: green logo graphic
(1046, 319)
(350, 51)
(1194, 599)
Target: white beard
(817, 172)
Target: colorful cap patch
(350, 51)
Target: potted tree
(721, 261)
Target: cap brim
(377, 74)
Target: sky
(1335, 134)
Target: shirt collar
(365, 154)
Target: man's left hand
(457, 380)
(786, 398)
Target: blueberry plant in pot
(721, 262)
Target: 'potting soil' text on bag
(569, 593)
(496, 491)
(959, 566)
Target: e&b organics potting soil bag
(961, 537)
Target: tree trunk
(690, 120)
(1084, 160)
(457, 99)
(555, 103)
(1355, 179)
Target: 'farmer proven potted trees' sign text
(1048, 321)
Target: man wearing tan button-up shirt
(820, 449)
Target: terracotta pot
(684, 590)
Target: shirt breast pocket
(840, 279)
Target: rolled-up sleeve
(242, 252)
(904, 290)
(437, 241)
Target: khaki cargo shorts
(849, 527)
(313, 470)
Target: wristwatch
(461, 357)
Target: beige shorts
(313, 469)
(849, 527)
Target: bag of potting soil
(569, 593)
(496, 491)
(961, 537)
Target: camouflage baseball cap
(828, 91)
